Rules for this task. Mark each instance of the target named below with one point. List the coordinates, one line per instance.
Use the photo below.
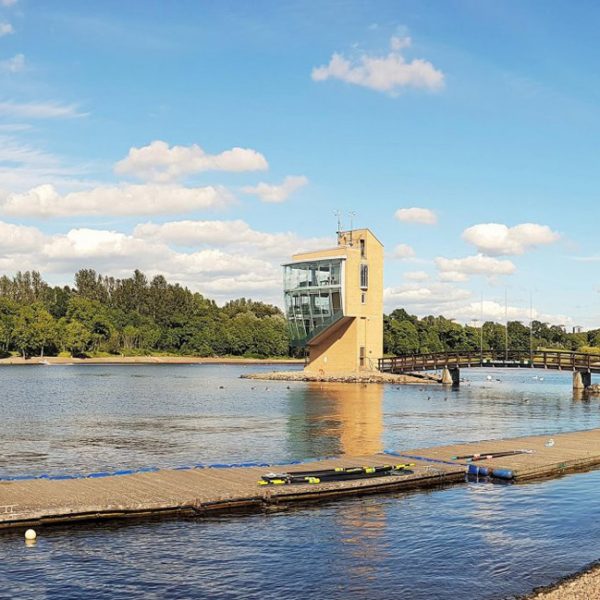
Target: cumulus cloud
(416, 275)
(122, 200)
(6, 29)
(221, 259)
(235, 234)
(417, 295)
(457, 303)
(403, 252)
(459, 269)
(17, 238)
(389, 73)
(496, 239)
(423, 216)
(160, 163)
(493, 310)
(40, 110)
(14, 64)
(277, 193)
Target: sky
(208, 141)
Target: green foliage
(101, 315)
(407, 334)
(104, 315)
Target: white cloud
(14, 64)
(277, 193)
(497, 311)
(12, 127)
(458, 269)
(423, 216)
(17, 238)
(230, 234)
(416, 276)
(122, 200)
(222, 269)
(40, 110)
(388, 73)
(12, 151)
(6, 29)
(457, 303)
(496, 239)
(403, 252)
(160, 163)
(7, 3)
(417, 295)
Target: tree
(34, 330)
(405, 338)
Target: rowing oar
(339, 474)
(318, 472)
(490, 455)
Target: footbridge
(581, 364)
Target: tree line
(131, 316)
(407, 334)
(135, 315)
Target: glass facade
(313, 297)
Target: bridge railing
(548, 359)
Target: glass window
(313, 297)
(363, 249)
(364, 276)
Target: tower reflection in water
(332, 419)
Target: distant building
(578, 329)
(334, 304)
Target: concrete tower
(334, 304)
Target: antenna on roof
(352, 215)
(338, 214)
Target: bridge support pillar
(581, 380)
(451, 376)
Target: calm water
(93, 418)
(477, 541)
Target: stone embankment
(367, 377)
(581, 586)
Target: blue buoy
(503, 474)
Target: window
(363, 250)
(363, 298)
(362, 357)
(364, 276)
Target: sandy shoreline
(146, 360)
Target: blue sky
(207, 141)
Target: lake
(472, 541)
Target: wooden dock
(202, 491)
(552, 455)
(195, 491)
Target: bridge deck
(207, 490)
(556, 360)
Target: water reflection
(80, 419)
(332, 419)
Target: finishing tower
(334, 304)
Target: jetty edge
(203, 490)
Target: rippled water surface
(77, 419)
(476, 541)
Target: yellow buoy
(30, 534)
